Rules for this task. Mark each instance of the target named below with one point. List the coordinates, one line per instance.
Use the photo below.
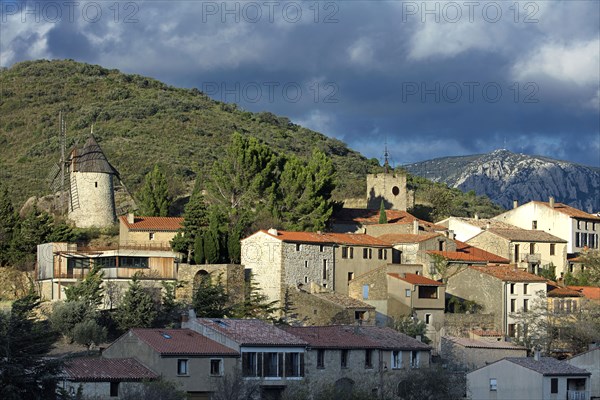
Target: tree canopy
(154, 198)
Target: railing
(531, 258)
(577, 395)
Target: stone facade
(389, 187)
(353, 261)
(316, 306)
(92, 200)
(262, 255)
(231, 275)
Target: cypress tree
(8, 224)
(382, 214)
(211, 246)
(199, 250)
(210, 300)
(154, 199)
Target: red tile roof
(486, 332)
(508, 273)
(355, 337)
(106, 369)
(415, 279)
(355, 239)
(153, 223)
(181, 341)
(526, 235)
(570, 211)
(407, 237)
(371, 217)
(252, 332)
(483, 344)
(589, 292)
(554, 290)
(466, 252)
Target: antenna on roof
(386, 156)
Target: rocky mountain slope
(505, 176)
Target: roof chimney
(272, 231)
(551, 201)
(536, 354)
(476, 217)
(515, 203)
(416, 227)
(130, 218)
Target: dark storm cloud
(368, 72)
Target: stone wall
(391, 188)
(96, 200)
(307, 264)
(473, 357)
(459, 325)
(231, 275)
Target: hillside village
(366, 302)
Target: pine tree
(154, 198)
(210, 299)
(211, 246)
(25, 370)
(382, 214)
(8, 224)
(89, 290)
(137, 309)
(195, 220)
(256, 304)
(31, 231)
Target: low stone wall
(459, 325)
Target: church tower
(389, 186)
(91, 191)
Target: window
(577, 240)
(525, 305)
(578, 224)
(407, 292)
(533, 224)
(367, 253)
(305, 279)
(493, 385)
(368, 358)
(215, 367)
(428, 292)
(151, 236)
(344, 252)
(382, 254)
(324, 269)
(133, 262)
(272, 364)
(441, 245)
(414, 359)
(105, 262)
(525, 286)
(531, 248)
(294, 364)
(428, 319)
(298, 246)
(114, 389)
(513, 305)
(320, 358)
(554, 385)
(350, 276)
(344, 359)
(95, 184)
(360, 315)
(511, 330)
(365, 292)
(516, 253)
(584, 239)
(182, 367)
(305, 264)
(552, 249)
(512, 288)
(351, 252)
(250, 364)
(321, 248)
(396, 359)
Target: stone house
(529, 378)
(362, 355)
(395, 292)
(529, 249)
(473, 353)
(269, 355)
(466, 228)
(578, 228)
(498, 290)
(361, 220)
(64, 264)
(409, 246)
(148, 232)
(194, 362)
(590, 361)
(314, 305)
(102, 378)
(278, 259)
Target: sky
(428, 78)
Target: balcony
(578, 395)
(534, 258)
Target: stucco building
(590, 361)
(148, 232)
(475, 353)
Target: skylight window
(166, 335)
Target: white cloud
(361, 52)
(318, 121)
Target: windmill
(86, 182)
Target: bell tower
(389, 186)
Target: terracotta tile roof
(355, 337)
(343, 300)
(554, 290)
(415, 279)
(570, 211)
(526, 235)
(508, 273)
(548, 366)
(181, 342)
(356, 239)
(484, 344)
(483, 223)
(100, 369)
(468, 253)
(486, 332)
(252, 332)
(589, 292)
(370, 217)
(394, 238)
(153, 223)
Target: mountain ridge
(505, 176)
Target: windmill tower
(85, 180)
(389, 186)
